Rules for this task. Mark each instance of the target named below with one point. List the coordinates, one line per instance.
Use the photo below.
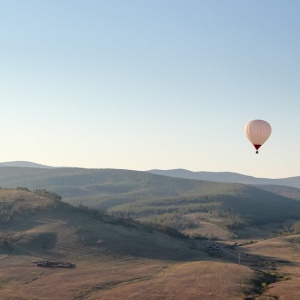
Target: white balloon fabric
(257, 132)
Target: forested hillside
(161, 199)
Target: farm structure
(54, 264)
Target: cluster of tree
(287, 230)
(6, 215)
(47, 194)
(228, 219)
(6, 242)
(148, 226)
(295, 228)
(165, 229)
(174, 219)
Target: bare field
(122, 279)
(20, 279)
(208, 229)
(285, 253)
(196, 280)
(98, 276)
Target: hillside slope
(112, 258)
(167, 200)
(39, 224)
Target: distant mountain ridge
(227, 177)
(23, 164)
(223, 177)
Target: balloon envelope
(257, 132)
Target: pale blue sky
(150, 84)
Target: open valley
(115, 258)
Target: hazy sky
(150, 84)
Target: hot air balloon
(257, 132)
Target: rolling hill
(106, 252)
(228, 177)
(115, 258)
(176, 202)
(39, 224)
(111, 258)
